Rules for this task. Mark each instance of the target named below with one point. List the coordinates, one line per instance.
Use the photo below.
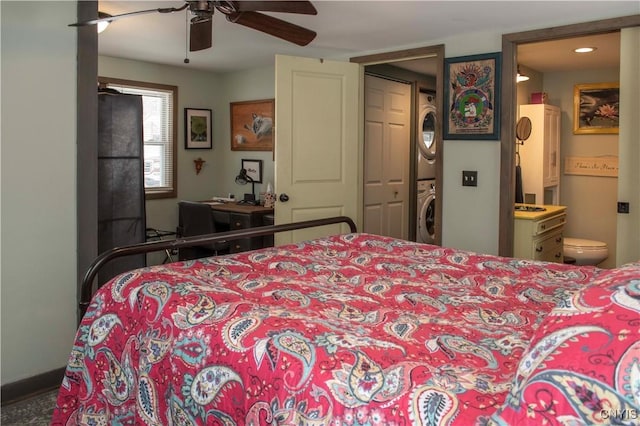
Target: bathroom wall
(524, 89)
(591, 200)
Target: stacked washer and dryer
(426, 171)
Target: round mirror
(523, 129)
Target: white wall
(470, 214)
(38, 147)
(590, 200)
(38, 279)
(524, 89)
(254, 84)
(196, 89)
(479, 233)
(628, 244)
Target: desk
(232, 216)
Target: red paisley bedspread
(347, 330)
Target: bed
(357, 329)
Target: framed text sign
(253, 169)
(591, 166)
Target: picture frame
(198, 128)
(253, 168)
(252, 125)
(596, 108)
(472, 97)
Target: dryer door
(426, 221)
(427, 133)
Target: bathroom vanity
(538, 232)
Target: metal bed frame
(87, 287)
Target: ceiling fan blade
(302, 7)
(125, 15)
(200, 35)
(273, 26)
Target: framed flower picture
(197, 128)
(596, 108)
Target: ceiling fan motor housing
(202, 10)
(245, 13)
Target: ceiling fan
(246, 13)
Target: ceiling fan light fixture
(521, 77)
(245, 13)
(102, 25)
(584, 49)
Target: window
(159, 133)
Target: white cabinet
(539, 235)
(540, 154)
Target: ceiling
(558, 55)
(352, 28)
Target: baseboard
(26, 388)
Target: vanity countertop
(536, 211)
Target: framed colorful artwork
(197, 128)
(252, 125)
(596, 108)
(472, 96)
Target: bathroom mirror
(523, 129)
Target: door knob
(284, 198)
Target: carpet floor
(32, 411)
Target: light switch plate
(469, 178)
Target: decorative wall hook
(199, 162)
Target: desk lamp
(242, 179)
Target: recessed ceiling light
(584, 49)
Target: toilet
(585, 252)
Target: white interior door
(318, 146)
(387, 136)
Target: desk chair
(154, 234)
(197, 219)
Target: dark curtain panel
(121, 201)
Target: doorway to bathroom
(554, 70)
(511, 45)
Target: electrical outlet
(623, 207)
(469, 178)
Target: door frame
(87, 149)
(428, 52)
(510, 44)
